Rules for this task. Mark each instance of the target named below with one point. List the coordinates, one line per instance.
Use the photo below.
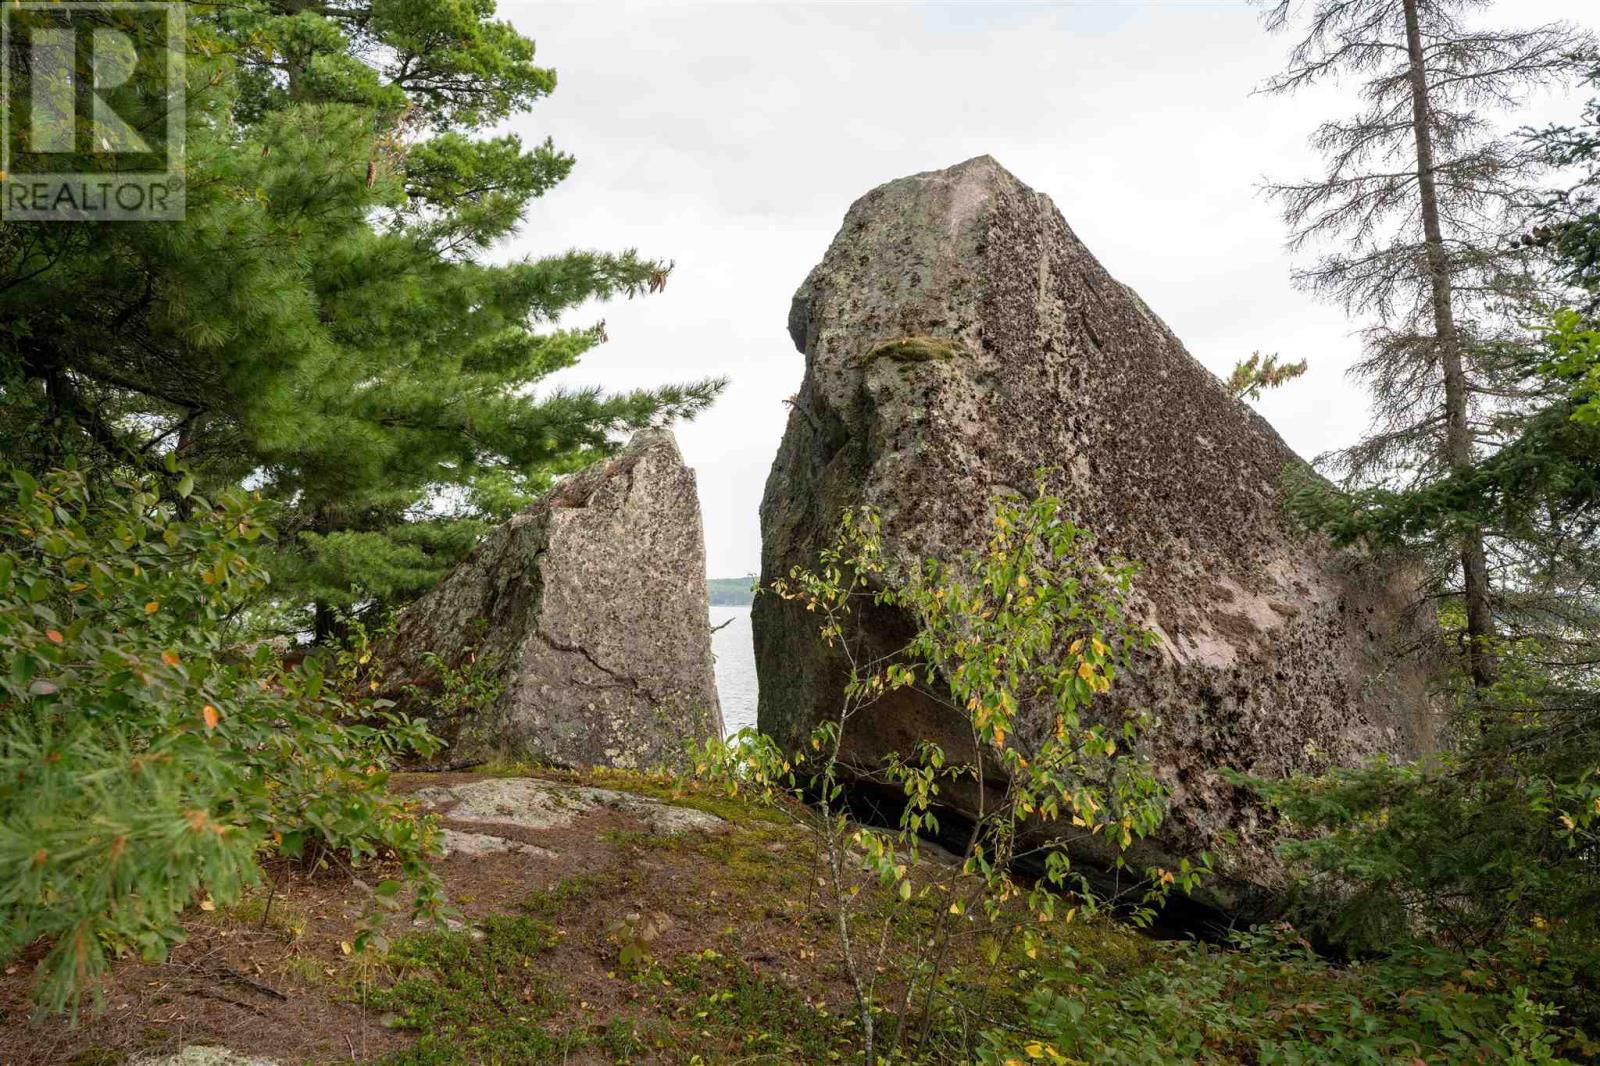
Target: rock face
(202, 1055)
(536, 804)
(583, 621)
(957, 337)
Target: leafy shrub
(1447, 851)
(1270, 999)
(1491, 848)
(145, 764)
(1575, 361)
(1021, 639)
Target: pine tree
(325, 322)
(145, 762)
(1425, 196)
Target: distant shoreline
(731, 591)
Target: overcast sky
(731, 138)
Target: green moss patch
(915, 350)
(735, 1014)
(475, 997)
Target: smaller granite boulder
(532, 803)
(581, 625)
(202, 1055)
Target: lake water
(736, 667)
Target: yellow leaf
(170, 658)
(1077, 646)
(1099, 648)
(208, 905)
(1086, 671)
(209, 713)
(346, 947)
(152, 607)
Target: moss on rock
(915, 350)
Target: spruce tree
(1424, 196)
(1569, 222)
(326, 324)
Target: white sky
(731, 138)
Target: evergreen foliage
(145, 766)
(1537, 497)
(326, 322)
(1569, 224)
(1489, 846)
(1486, 454)
(1424, 197)
(1268, 997)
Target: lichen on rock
(537, 804)
(203, 1055)
(584, 619)
(1004, 347)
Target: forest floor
(610, 917)
(606, 936)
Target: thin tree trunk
(1458, 436)
(324, 624)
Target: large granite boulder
(957, 337)
(583, 620)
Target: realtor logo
(91, 112)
